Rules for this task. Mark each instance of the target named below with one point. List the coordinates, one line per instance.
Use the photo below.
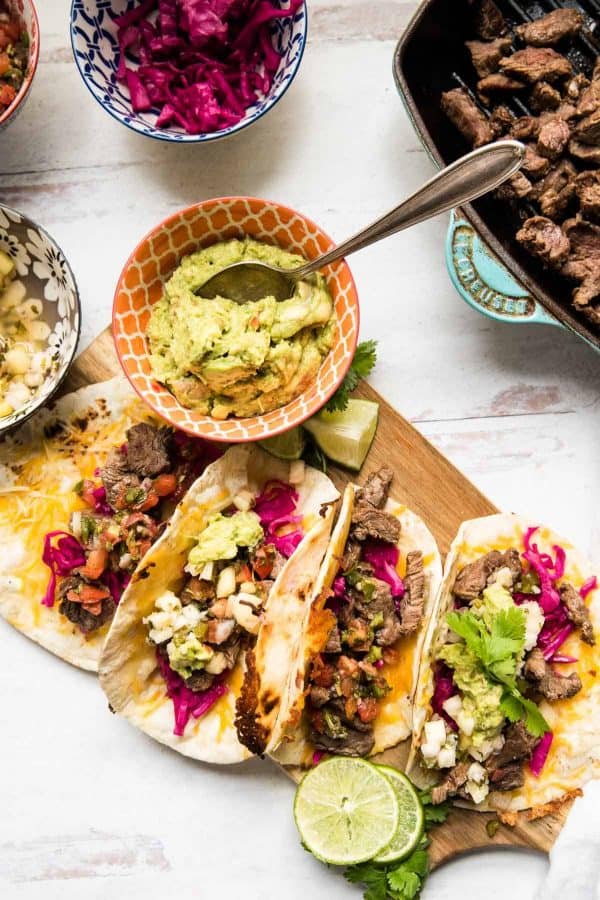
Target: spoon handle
(466, 179)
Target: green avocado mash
(480, 697)
(222, 537)
(494, 598)
(223, 358)
(187, 653)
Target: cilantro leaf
(404, 885)
(516, 707)
(365, 357)
(433, 815)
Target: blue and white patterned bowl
(95, 47)
(42, 267)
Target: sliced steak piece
(474, 577)
(509, 778)
(544, 239)
(351, 555)
(467, 117)
(85, 620)
(575, 87)
(501, 120)
(584, 257)
(589, 99)
(536, 64)
(355, 743)
(334, 641)
(198, 591)
(551, 28)
(534, 165)
(544, 96)
(319, 696)
(556, 190)
(488, 20)
(147, 450)
(546, 681)
(199, 681)
(578, 612)
(525, 128)
(515, 188)
(499, 81)
(413, 601)
(381, 602)
(451, 784)
(584, 152)
(518, 745)
(376, 488)
(553, 138)
(486, 55)
(370, 522)
(588, 129)
(587, 188)
(586, 294)
(117, 477)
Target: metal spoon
(466, 179)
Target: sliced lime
(346, 811)
(410, 820)
(346, 436)
(286, 446)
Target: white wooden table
(89, 808)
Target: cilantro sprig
(404, 880)
(498, 645)
(365, 357)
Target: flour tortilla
(575, 752)
(40, 463)
(290, 743)
(128, 670)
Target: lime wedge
(410, 821)
(346, 811)
(345, 437)
(286, 446)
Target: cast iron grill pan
(432, 58)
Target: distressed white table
(89, 808)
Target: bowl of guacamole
(217, 368)
(225, 359)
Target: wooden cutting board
(438, 492)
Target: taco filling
(498, 669)
(373, 608)
(200, 629)
(123, 511)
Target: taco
(174, 659)
(508, 700)
(85, 489)
(351, 683)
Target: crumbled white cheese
(163, 621)
(502, 576)
(533, 624)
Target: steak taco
(174, 659)
(86, 487)
(508, 700)
(351, 683)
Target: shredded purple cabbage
(384, 559)
(100, 502)
(201, 63)
(540, 754)
(444, 688)
(116, 582)
(275, 507)
(187, 703)
(588, 586)
(67, 554)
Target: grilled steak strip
(578, 612)
(546, 681)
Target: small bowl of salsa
(19, 53)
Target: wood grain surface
(438, 492)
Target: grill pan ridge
(431, 58)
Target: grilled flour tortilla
(174, 659)
(351, 683)
(507, 709)
(40, 465)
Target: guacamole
(222, 537)
(228, 359)
(480, 697)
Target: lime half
(410, 820)
(286, 446)
(346, 436)
(346, 811)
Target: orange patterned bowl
(191, 229)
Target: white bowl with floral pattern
(43, 268)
